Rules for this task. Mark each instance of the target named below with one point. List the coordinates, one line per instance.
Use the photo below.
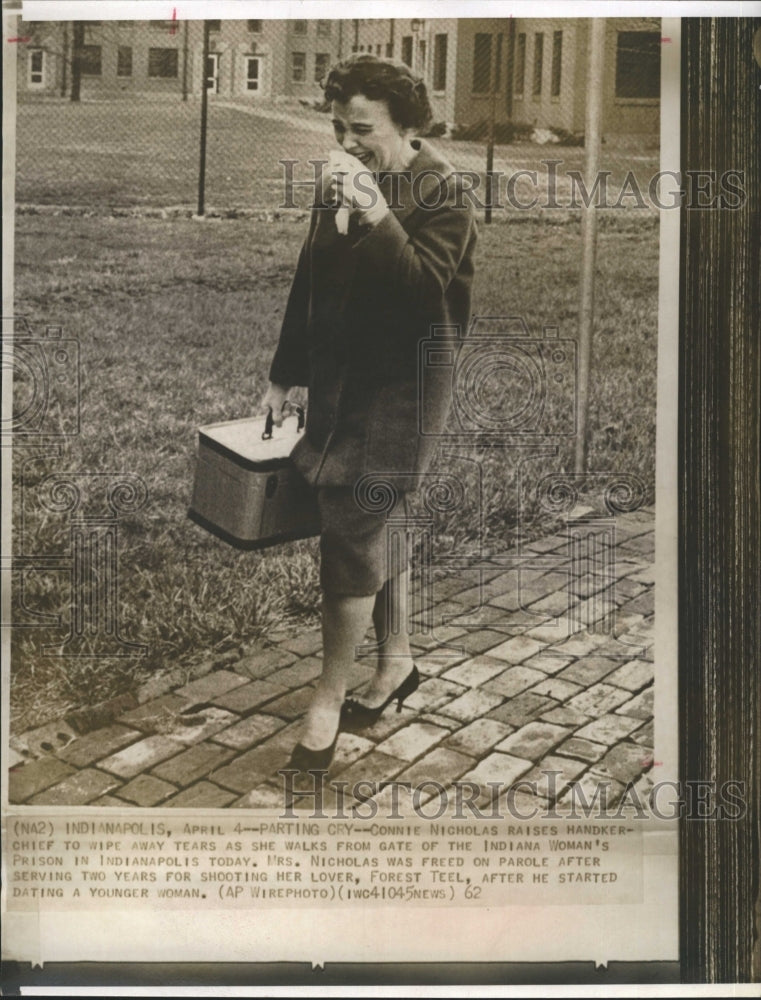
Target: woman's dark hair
(382, 80)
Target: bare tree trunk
(77, 43)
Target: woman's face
(365, 129)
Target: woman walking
(367, 289)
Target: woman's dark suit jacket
(359, 306)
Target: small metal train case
(246, 490)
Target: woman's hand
(353, 185)
(274, 399)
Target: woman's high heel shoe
(356, 716)
(305, 760)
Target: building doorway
(212, 72)
(253, 74)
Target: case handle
(269, 423)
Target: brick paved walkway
(522, 675)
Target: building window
(440, 62)
(638, 64)
(321, 65)
(407, 50)
(252, 73)
(298, 67)
(215, 25)
(324, 28)
(389, 50)
(255, 27)
(299, 27)
(520, 65)
(538, 62)
(90, 60)
(124, 60)
(162, 63)
(481, 63)
(36, 68)
(557, 62)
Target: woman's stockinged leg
(344, 624)
(394, 655)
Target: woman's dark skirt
(359, 549)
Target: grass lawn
(145, 152)
(177, 321)
(120, 153)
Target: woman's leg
(344, 624)
(394, 654)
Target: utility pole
(510, 70)
(589, 233)
(64, 61)
(77, 44)
(185, 28)
(494, 77)
(204, 112)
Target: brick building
(248, 58)
(532, 71)
(527, 70)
